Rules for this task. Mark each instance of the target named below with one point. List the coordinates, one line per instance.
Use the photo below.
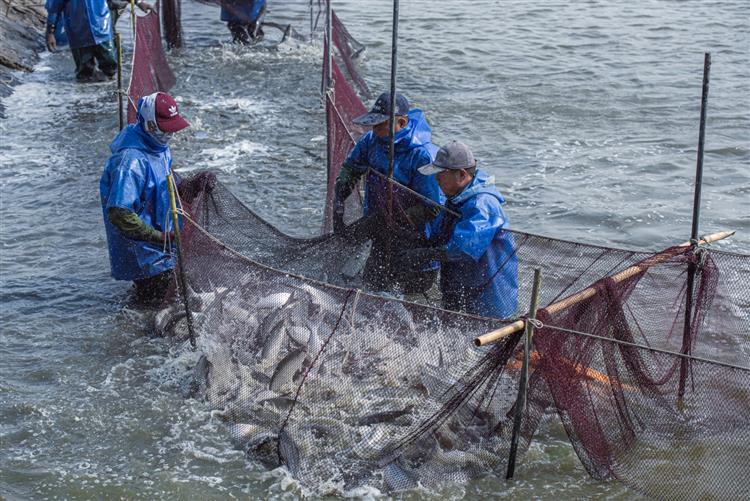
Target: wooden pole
(498, 334)
(120, 110)
(180, 268)
(132, 17)
(524, 380)
(686, 334)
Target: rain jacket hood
(87, 22)
(482, 267)
(135, 179)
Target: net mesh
(349, 389)
(150, 71)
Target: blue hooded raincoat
(413, 150)
(241, 11)
(135, 178)
(87, 22)
(482, 265)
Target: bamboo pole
(524, 380)
(498, 334)
(182, 281)
(686, 341)
(120, 110)
(132, 17)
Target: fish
(289, 452)
(396, 478)
(275, 300)
(384, 417)
(199, 381)
(273, 343)
(300, 335)
(287, 369)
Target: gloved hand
(145, 7)
(339, 228)
(415, 259)
(421, 214)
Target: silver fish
(273, 343)
(276, 300)
(300, 335)
(396, 478)
(287, 370)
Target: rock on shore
(21, 39)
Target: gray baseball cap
(453, 156)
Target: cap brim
(370, 119)
(428, 170)
(174, 124)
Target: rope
(640, 346)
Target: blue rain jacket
(413, 150)
(61, 37)
(241, 11)
(482, 264)
(135, 178)
(87, 22)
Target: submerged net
(349, 389)
(150, 71)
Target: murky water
(587, 113)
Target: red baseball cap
(168, 116)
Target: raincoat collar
(482, 183)
(416, 133)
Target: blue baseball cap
(381, 110)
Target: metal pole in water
(392, 133)
(328, 87)
(524, 381)
(329, 49)
(120, 111)
(686, 341)
(311, 22)
(181, 280)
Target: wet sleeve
(127, 182)
(132, 226)
(357, 158)
(426, 186)
(474, 233)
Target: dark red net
(150, 71)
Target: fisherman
(412, 150)
(135, 198)
(243, 18)
(479, 268)
(56, 20)
(88, 24)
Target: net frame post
(392, 134)
(524, 379)
(181, 280)
(120, 109)
(692, 268)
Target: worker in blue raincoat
(243, 18)
(370, 156)
(135, 198)
(56, 20)
(479, 267)
(88, 24)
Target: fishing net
(349, 389)
(150, 71)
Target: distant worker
(88, 24)
(479, 270)
(413, 150)
(135, 198)
(243, 18)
